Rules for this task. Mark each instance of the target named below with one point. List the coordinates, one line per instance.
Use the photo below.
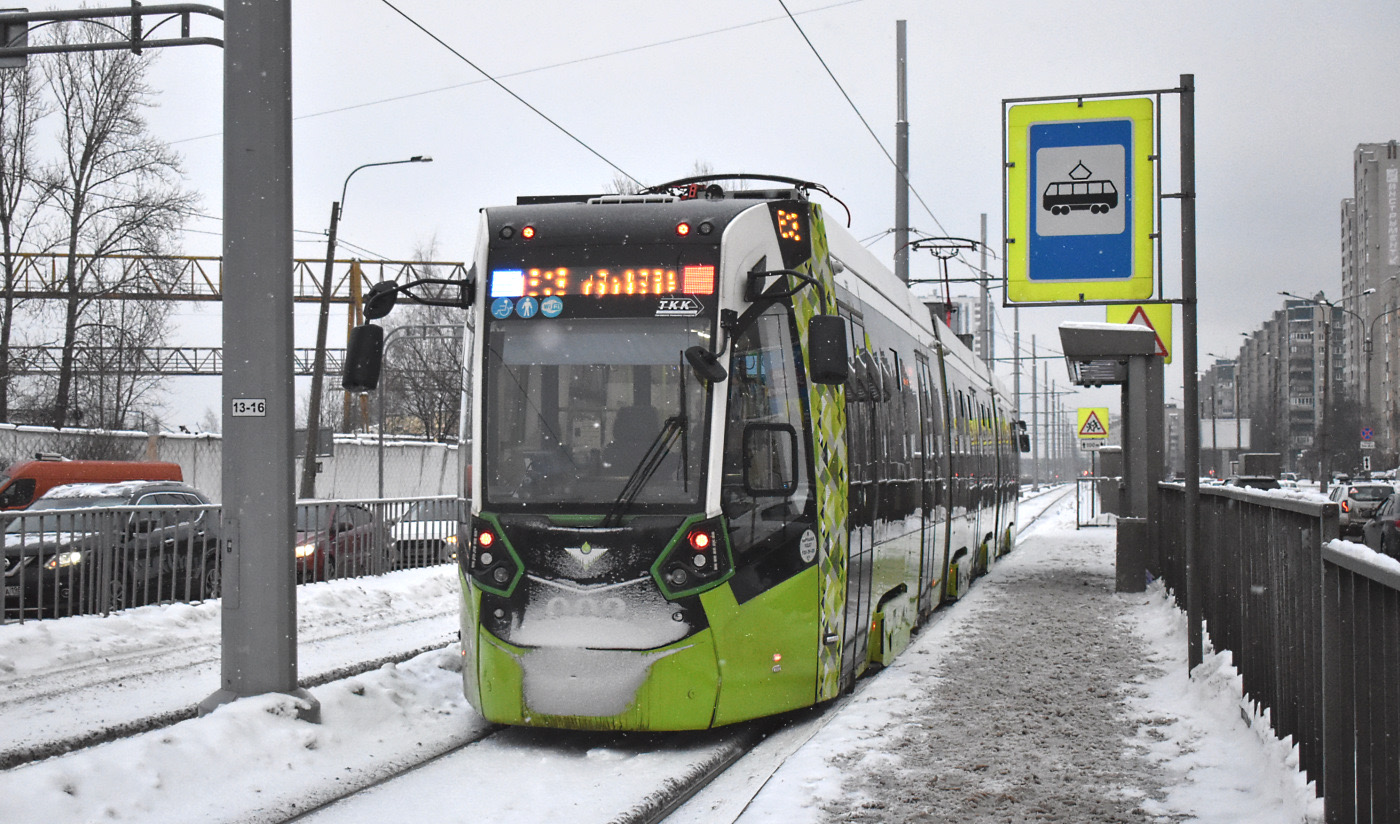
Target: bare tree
(115, 394)
(422, 391)
(116, 186)
(22, 194)
(424, 373)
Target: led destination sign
(601, 282)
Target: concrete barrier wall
(412, 468)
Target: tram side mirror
(770, 459)
(364, 355)
(826, 350)
(706, 364)
(380, 300)
(1023, 438)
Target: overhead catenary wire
(564, 64)
(861, 116)
(503, 87)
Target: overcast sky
(1285, 91)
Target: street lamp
(318, 366)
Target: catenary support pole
(986, 331)
(1016, 360)
(259, 593)
(901, 155)
(1035, 417)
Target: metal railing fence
(95, 561)
(1258, 575)
(1361, 635)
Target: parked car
(84, 548)
(1358, 502)
(426, 534)
(338, 540)
(1253, 481)
(1382, 531)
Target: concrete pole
(259, 586)
(901, 156)
(318, 366)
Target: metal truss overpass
(138, 277)
(158, 360)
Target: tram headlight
(489, 559)
(696, 559)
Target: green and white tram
(724, 462)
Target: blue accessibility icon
(551, 306)
(527, 307)
(501, 308)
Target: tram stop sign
(1080, 202)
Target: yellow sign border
(1019, 287)
(1084, 412)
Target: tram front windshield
(576, 409)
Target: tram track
(17, 756)
(694, 773)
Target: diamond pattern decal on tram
(828, 409)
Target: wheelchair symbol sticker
(501, 308)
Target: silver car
(1357, 502)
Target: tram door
(861, 449)
(930, 500)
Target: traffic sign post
(1080, 201)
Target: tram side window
(765, 485)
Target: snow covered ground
(1042, 696)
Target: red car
(338, 540)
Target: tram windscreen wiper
(672, 431)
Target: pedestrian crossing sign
(1093, 423)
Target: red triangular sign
(1140, 318)
(1093, 427)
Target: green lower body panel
(767, 648)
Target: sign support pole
(1190, 395)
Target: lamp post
(318, 365)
